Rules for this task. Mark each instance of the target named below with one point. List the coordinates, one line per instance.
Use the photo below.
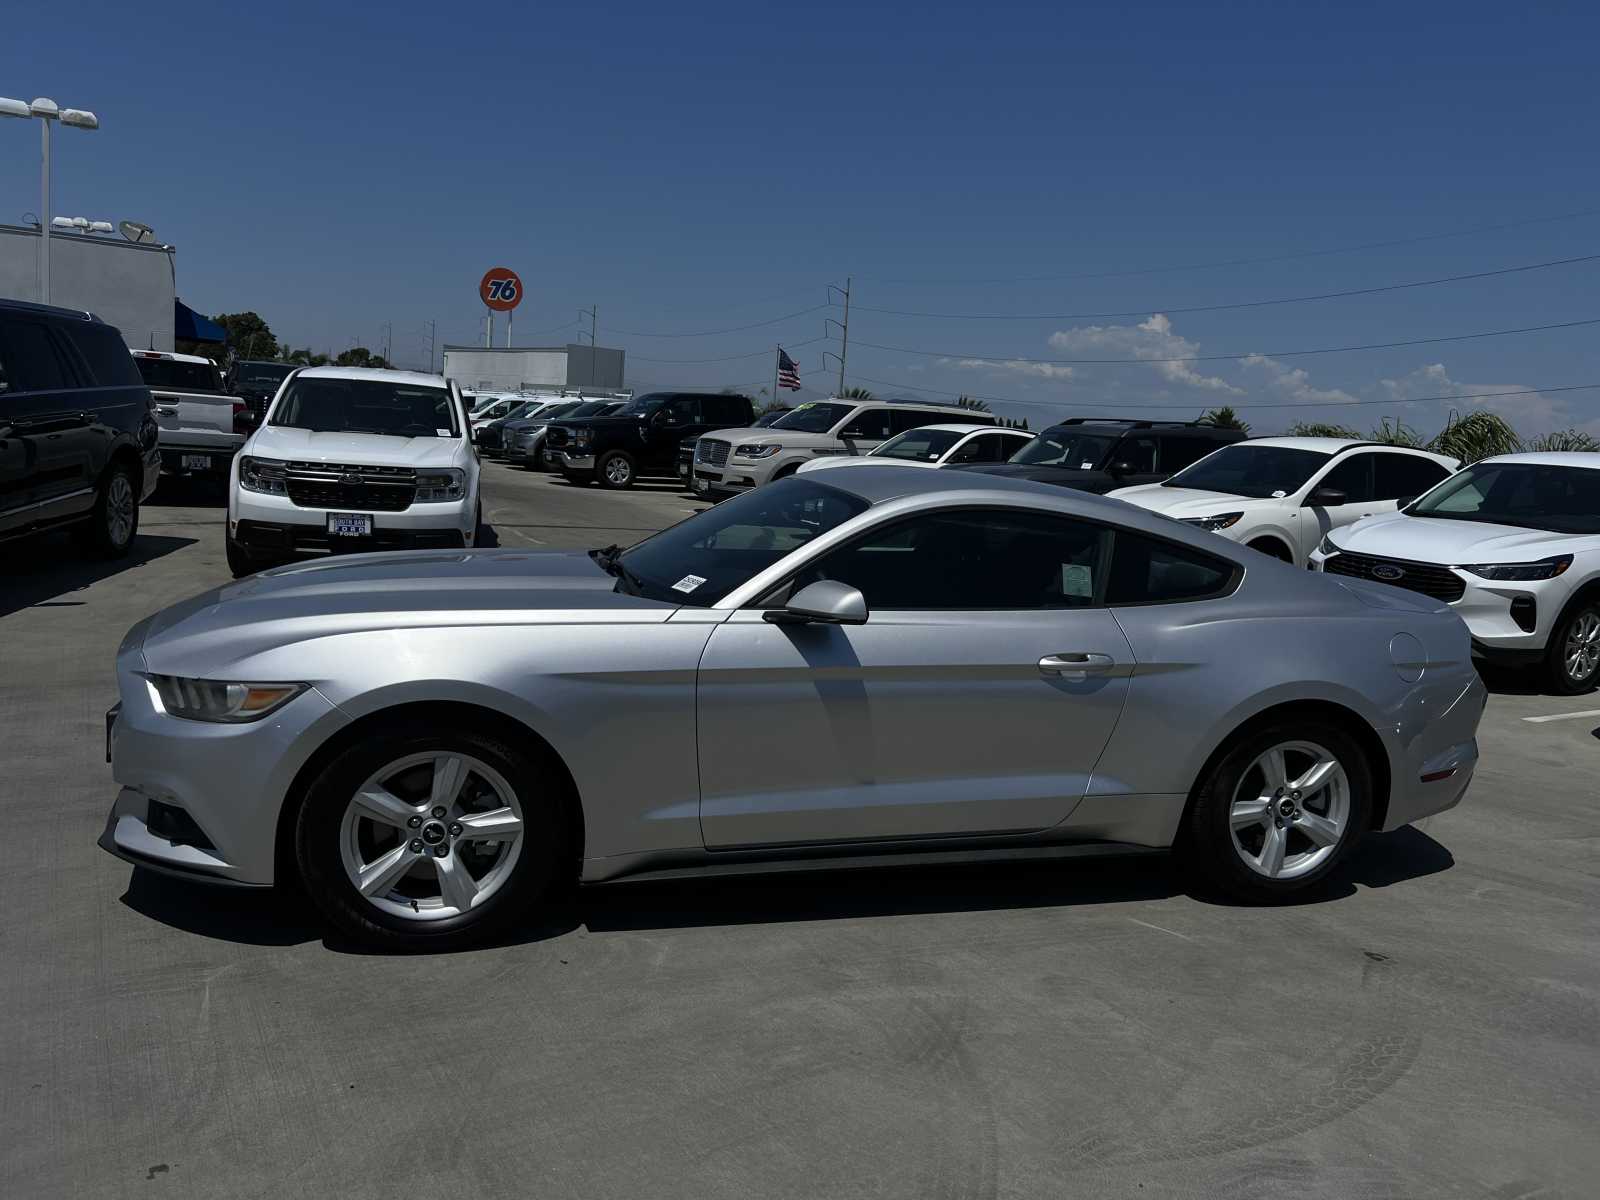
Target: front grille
(367, 489)
(556, 437)
(1428, 578)
(711, 452)
(491, 437)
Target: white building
(132, 286)
(529, 368)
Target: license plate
(350, 524)
(196, 462)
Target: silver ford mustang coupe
(835, 669)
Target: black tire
(542, 870)
(241, 561)
(1206, 840)
(1272, 548)
(1567, 673)
(114, 521)
(616, 470)
(785, 472)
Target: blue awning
(190, 326)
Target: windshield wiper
(609, 560)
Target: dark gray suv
(77, 430)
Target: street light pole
(46, 110)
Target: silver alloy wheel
(431, 836)
(1582, 651)
(619, 469)
(119, 509)
(1290, 810)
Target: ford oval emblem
(1387, 572)
(350, 479)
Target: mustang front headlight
(757, 449)
(1216, 521)
(213, 700)
(448, 483)
(1545, 568)
(263, 475)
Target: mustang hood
(389, 591)
(1451, 542)
(365, 449)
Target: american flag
(788, 372)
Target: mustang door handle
(1075, 663)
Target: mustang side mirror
(1327, 497)
(826, 602)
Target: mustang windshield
(1254, 471)
(701, 560)
(1527, 495)
(1064, 448)
(333, 405)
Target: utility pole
(433, 337)
(777, 354)
(844, 328)
(388, 339)
(593, 313)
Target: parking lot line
(1572, 716)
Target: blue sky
(701, 166)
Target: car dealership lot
(1427, 1027)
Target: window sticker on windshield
(1279, 494)
(687, 584)
(1076, 580)
(441, 433)
(1086, 466)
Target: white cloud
(1149, 340)
(1017, 365)
(1294, 383)
(1530, 414)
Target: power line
(1428, 341)
(1146, 309)
(731, 329)
(1268, 258)
(730, 357)
(1576, 387)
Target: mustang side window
(975, 559)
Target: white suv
(736, 460)
(1280, 495)
(354, 458)
(1513, 545)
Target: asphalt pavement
(1428, 1026)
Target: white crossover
(354, 459)
(1281, 495)
(934, 446)
(1512, 544)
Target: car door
(983, 448)
(1349, 474)
(16, 473)
(679, 418)
(976, 698)
(1134, 461)
(49, 419)
(1399, 478)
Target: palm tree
(1479, 434)
(1224, 418)
(974, 405)
(1398, 434)
(856, 393)
(1323, 429)
(1563, 439)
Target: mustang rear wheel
(1280, 810)
(431, 837)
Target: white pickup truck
(199, 421)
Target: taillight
(242, 420)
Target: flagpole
(777, 357)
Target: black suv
(77, 428)
(255, 381)
(642, 438)
(1100, 454)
